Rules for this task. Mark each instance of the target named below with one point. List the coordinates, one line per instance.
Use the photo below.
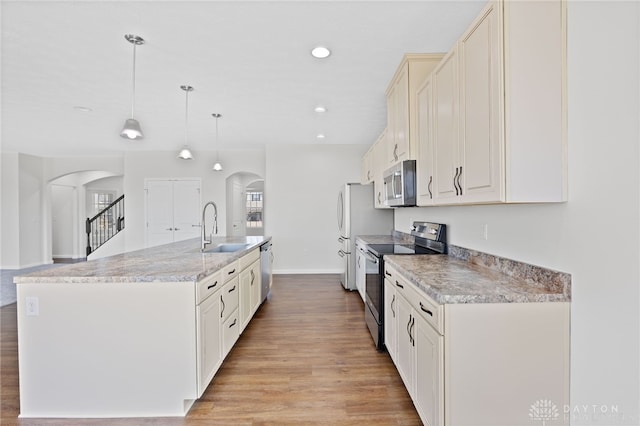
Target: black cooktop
(382, 249)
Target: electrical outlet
(485, 232)
(33, 306)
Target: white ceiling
(247, 60)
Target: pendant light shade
(185, 152)
(217, 166)
(131, 129)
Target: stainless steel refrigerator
(357, 216)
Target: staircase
(105, 225)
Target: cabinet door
(391, 320)
(428, 394)
(398, 119)
(209, 354)
(481, 137)
(424, 173)
(256, 287)
(366, 169)
(446, 164)
(245, 298)
(379, 160)
(360, 272)
(405, 343)
(230, 332)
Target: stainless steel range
(430, 238)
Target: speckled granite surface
(176, 262)
(395, 238)
(447, 279)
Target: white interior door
(172, 211)
(186, 209)
(159, 209)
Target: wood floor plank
(305, 359)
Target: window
(254, 209)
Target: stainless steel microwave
(400, 184)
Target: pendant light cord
(133, 90)
(186, 116)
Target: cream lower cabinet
(361, 271)
(478, 363)
(250, 287)
(229, 314)
(390, 318)
(209, 353)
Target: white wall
(9, 212)
(301, 193)
(604, 159)
(62, 221)
(31, 206)
(164, 164)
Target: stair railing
(103, 226)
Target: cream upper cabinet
(425, 160)
(499, 107)
(401, 98)
(379, 151)
(446, 162)
(366, 168)
(481, 177)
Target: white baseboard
(306, 271)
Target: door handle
(429, 187)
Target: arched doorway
(245, 201)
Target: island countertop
(174, 262)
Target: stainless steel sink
(226, 248)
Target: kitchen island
(135, 334)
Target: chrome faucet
(204, 240)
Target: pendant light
(185, 153)
(217, 166)
(131, 129)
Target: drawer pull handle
(233, 271)
(399, 285)
(232, 288)
(233, 323)
(388, 274)
(209, 287)
(425, 309)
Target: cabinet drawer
(230, 332)
(429, 310)
(419, 301)
(207, 286)
(249, 258)
(230, 271)
(229, 298)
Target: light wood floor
(306, 358)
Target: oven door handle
(370, 257)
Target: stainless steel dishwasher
(266, 264)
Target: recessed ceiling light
(82, 109)
(320, 108)
(320, 52)
(320, 136)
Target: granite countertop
(449, 280)
(175, 262)
(395, 238)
